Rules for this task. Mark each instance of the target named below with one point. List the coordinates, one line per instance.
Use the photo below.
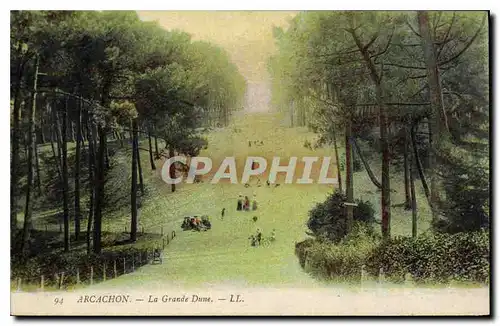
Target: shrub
(328, 219)
(434, 258)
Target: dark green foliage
(466, 184)
(434, 257)
(429, 258)
(328, 219)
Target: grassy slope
(223, 254)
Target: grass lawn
(223, 255)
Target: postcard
(250, 163)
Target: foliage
(328, 219)
(429, 258)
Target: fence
(107, 266)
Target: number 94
(58, 301)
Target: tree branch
(465, 47)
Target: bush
(328, 219)
(433, 258)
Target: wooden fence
(105, 269)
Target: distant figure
(277, 185)
(268, 183)
(222, 213)
(259, 236)
(246, 205)
(273, 235)
(247, 185)
(254, 205)
(249, 144)
(253, 241)
(255, 218)
(240, 204)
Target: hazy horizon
(246, 35)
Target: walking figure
(222, 213)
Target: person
(246, 205)
(253, 241)
(259, 236)
(240, 203)
(254, 205)
(222, 213)
(273, 235)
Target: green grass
(223, 255)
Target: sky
(245, 35)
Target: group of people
(243, 204)
(257, 239)
(196, 223)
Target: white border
(185, 5)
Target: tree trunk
(337, 160)
(151, 160)
(420, 168)
(157, 152)
(14, 166)
(366, 165)
(139, 167)
(31, 156)
(413, 200)
(384, 136)
(348, 176)
(407, 175)
(79, 141)
(99, 189)
(55, 154)
(106, 158)
(133, 188)
(172, 167)
(91, 158)
(437, 104)
(38, 177)
(65, 176)
(386, 188)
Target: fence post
(42, 282)
(381, 275)
(114, 268)
(163, 243)
(408, 279)
(124, 268)
(19, 281)
(104, 271)
(173, 235)
(363, 274)
(91, 275)
(61, 280)
(78, 276)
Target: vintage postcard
(250, 163)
